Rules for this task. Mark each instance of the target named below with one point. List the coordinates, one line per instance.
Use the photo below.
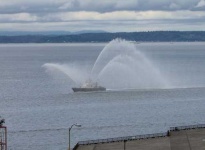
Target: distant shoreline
(102, 43)
(154, 36)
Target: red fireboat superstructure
(3, 135)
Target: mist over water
(75, 73)
(120, 65)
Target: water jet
(120, 65)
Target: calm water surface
(39, 108)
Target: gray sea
(39, 107)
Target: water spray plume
(119, 66)
(74, 72)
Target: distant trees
(152, 36)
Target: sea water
(39, 106)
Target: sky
(106, 15)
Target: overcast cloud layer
(108, 15)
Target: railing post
(125, 144)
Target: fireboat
(89, 86)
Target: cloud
(19, 17)
(29, 6)
(118, 21)
(48, 6)
(201, 4)
(107, 16)
(124, 15)
(110, 26)
(131, 4)
(174, 6)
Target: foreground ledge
(177, 138)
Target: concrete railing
(138, 137)
(119, 139)
(187, 127)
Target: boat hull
(88, 89)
